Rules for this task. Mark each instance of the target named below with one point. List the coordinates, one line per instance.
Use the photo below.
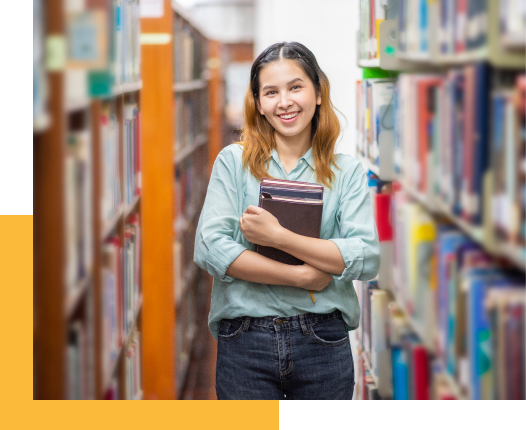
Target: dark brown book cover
(301, 216)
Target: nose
(284, 102)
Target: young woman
(274, 342)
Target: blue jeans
(303, 357)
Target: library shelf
(481, 54)
(183, 222)
(198, 84)
(74, 105)
(415, 326)
(369, 62)
(420, 57)
(438, 207)
(58, 312)
(513, 253)
(428, 344)
(128, 209)
(199, 141)
(76, 296)
(368, 165)
(513, 42)
(111, 224)
(126, 87)
(116, 363)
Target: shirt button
(301, 161)
(281, 298)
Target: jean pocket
(230, 329)
(330, 333)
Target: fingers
(254, 210)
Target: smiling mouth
(288, 117)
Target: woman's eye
(295, 87)
(270, 93)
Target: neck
(291, 148)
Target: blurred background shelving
(440, 132)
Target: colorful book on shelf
(480, 144)
(426, 111)
(78, 189)
(380, 353)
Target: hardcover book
(298, 206)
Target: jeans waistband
(295, 321)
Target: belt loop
(246, 323)
(303, 325)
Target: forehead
(281, 72)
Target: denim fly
(300, 357)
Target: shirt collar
(308, 158)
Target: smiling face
(287, 98)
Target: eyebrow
(266, 87)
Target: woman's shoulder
(347, 163)
(233, 151)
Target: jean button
(278, 322)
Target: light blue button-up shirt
(347, 220)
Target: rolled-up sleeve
(215, 247)
(358, 242)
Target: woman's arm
(261, 227)
(355, 254)
(217, 252)
(253, 267)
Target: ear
(318, 99)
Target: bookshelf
(182, 104)
(468, 214)
(196, 83)
(81, 350)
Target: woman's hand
(311, 278)
(260, 226)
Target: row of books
(372, 13)
(121, 290)
(488, 343)
(189, 53)
(190, 119)
(444, 281)
(132, 382)
(190, 184)
(103, 48)
(132, 152)
(450, 145)
(126, 46)
(375, 119)
(463, 26)
(111, 197)
(434, 131)
(78, 208)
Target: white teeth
(289, 116)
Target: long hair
(257, 135)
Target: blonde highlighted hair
(257, 135)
